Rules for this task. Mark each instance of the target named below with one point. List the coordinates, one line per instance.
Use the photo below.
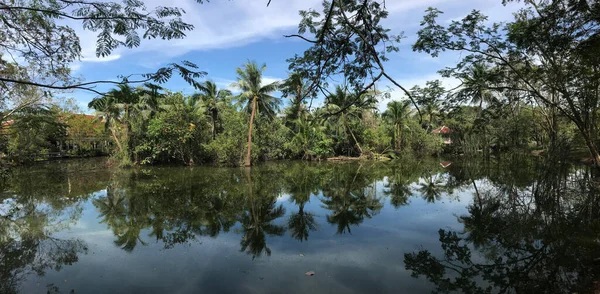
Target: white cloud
(226, 24)
(269, 80)
(101, 59)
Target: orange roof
(442, 130)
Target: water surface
(514, 225)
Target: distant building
(445, 132)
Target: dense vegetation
(533, 82)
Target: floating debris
(311, 273)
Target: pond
(515, 224)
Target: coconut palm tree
(475, 86)
(213, 99)
(118, 106)
(256, 96)
(106, 107)
(397, 112)
(295, 85)
(341, 108)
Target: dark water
(516, 225)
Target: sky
(228, 33)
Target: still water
(510, 225)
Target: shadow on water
(522, 224)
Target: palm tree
(431, 188)
(296, 86)
(118, 105)
(213, 99)
(475, 86)
(342, 107)
(396, 114)
(256, 96)
(106, 107)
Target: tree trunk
(116, 139)
(356, 141)
(248, 159)
(400, 138)
(214, 124)
(593, 149)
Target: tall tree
(297, 87)
(212, 98)
(256, 96)
(475, 86)
(347, 39)
(548, 52)
(342, 108)
(429, 99)
(397, 113)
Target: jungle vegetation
(529, 83)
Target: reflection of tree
(257, 222)
(40, 203)
(35, 255)
(256, 226)
(398, 187)
(350, 199)
(301, 223)
(541, 239)
(431, 188)
(301, 182)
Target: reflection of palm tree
(398, 188)
(480, 223)
(128, 239)
(217, 217)
(111, 207)
(399, 193)
(301, 223)
(257, 224)
(350, 202)
(123, 217)
(431, 188)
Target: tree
(341, 108)
(37, 34)
(548, 53)
(119, 107)
(255, 96)
(475, 86)
(429, 98)
(347, 40)
(397, 112)
(212, 98)
(296, 86)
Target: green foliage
(423, 142)
(229, 146)
(546, 55)
(176, 133)
(33, 134)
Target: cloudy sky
(229, 32)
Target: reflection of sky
(370, 260)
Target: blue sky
(228, 33)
